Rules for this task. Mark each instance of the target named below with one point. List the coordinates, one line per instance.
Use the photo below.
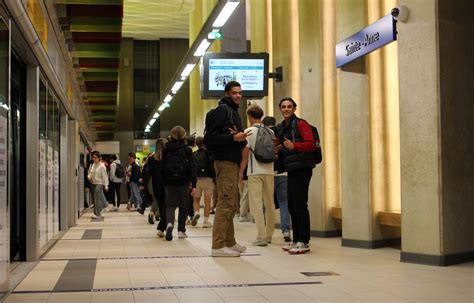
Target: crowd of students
(248, 172)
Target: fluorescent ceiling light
(187, 70)
(168, 98)
(156, 115)
(202, 48)
(152, 121)
(225, 13)
(147, 130)
(163, 106)
(176, 86)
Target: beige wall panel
(356, 214)
(419, 129)
(311, 102)
(125, 104)
(281, 54)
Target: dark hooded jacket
(220, 143)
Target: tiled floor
(133, 265)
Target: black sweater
(221, 142)
(153, 171)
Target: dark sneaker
(286, 236)
(169, 232)
(140, 211)
(151, 219)
(195, 219)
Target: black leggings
(177, 196)
(298, 187)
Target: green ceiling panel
(97, 54)
(102, 94)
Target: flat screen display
(249, 69)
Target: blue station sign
(374, 36)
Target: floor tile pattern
(120, 259)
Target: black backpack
(176, 164)
(202, 163)
(317, 153)
(210, 117)
(119, 172)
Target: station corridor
(120, 259)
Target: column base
(371, 244)
(441, 260)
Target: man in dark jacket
(225, 140)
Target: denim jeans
(135, 196)
(281, 184)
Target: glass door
(4, 113)
(17, 155)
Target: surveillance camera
(400, 13)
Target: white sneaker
(160, 234)
(182, 235)
(94, 217)
(299, 249)
(288, 246)
(225, 252)
(105, 210)
(239, 248)
(244, 219)
(260, 242)
(206, 224)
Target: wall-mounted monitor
(249, 69)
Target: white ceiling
(155, 19)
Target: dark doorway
(17, 160)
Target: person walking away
(178, 175)
(296, 145)
(225, 139)
(205, 183)
(281, 184)
(135, 197)
(99, 181)
(116, 175)
(153, 175)
(259, 156)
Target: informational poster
(43, 205)
(56, 194)
(4, 231)
(49, 159)
(248, 72)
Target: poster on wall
(56, 194)
(49, 159)
(43, 218)
(4, 232)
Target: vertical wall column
(32, 164)
(71, 166)
(198, 106)
(330, 133)
(261, 41)
(65, 173)
(436, 132)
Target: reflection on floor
(120, 259)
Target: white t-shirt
(255, 167)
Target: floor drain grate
(320, 273)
